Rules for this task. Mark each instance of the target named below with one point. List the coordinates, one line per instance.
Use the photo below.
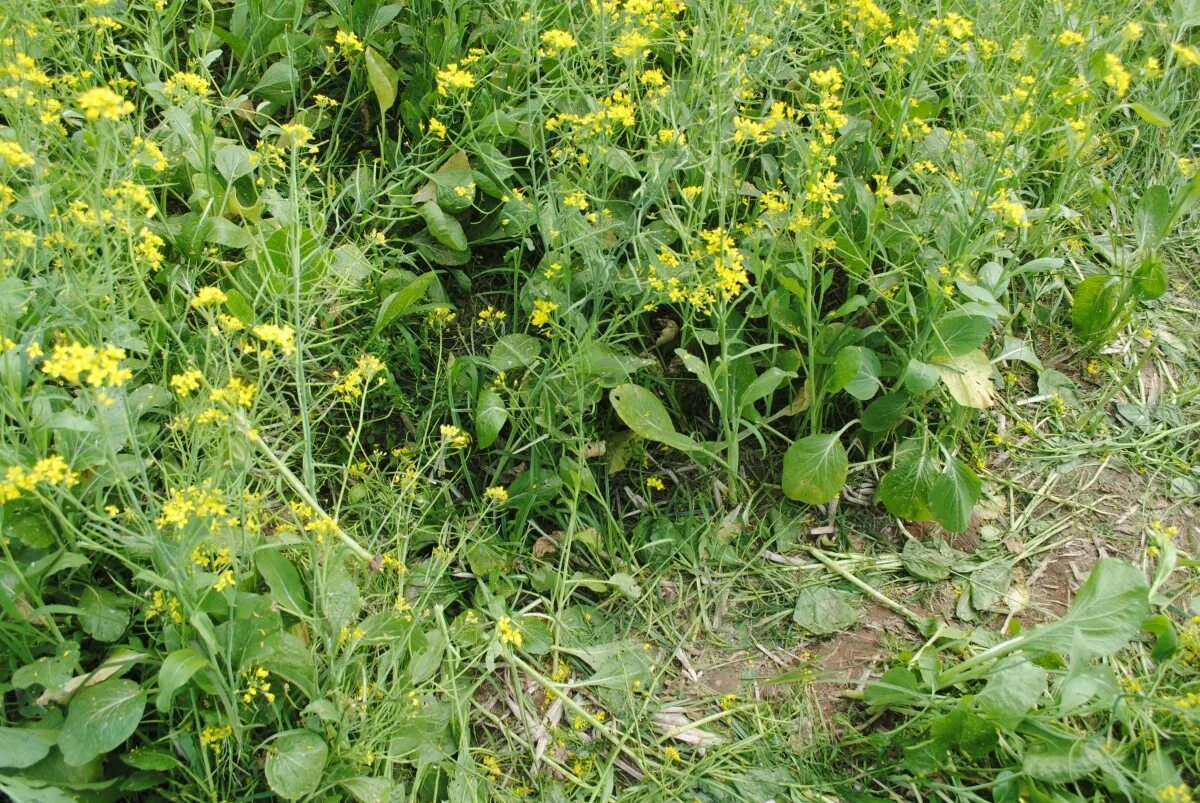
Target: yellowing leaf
(968, 377)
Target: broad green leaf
(904, 490)
(821, 610)
(517, 350)
(628, 586)
(1012, 691)
(102, 614)
(295, 763)
(1064, 762)
(815, 468)
(953, 496)
(1152, 217)
(1098, 307)
(642, 412)
(766, 383)
(383, 79)
(403, 299)
(1107, 612)
(989, 583)
(608, 366)
(1166, 641)
(957, 334)
(919, 376)
(885, 412)
(445, 229)
(24, 747)
(969, 379)
(897, 686)
(1015, 349)
(100, 719)
(282, 577)
(865, 382)
(426, 656)
(490, 416)
(1150, 278)
(366, 789)
(964, 729)
(177, 669)
(340, 602)
(930, 563)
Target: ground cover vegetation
(599, 399)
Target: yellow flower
(212, 736)
(496, 494)
(437, 128)
(655, 484)
(1115, 74)
(454, 437)
(1071, 38)
(453, 79)
(101, 103)
(1186, 53)
(208, 296)
(509, 633)
(671, 753)
(295, 135)
(183, 85)
(542, 310)
(14, 155)
(186, 383)
(555, 41)
(349, 43)
(283, 337)
(71, 361)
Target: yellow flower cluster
(13, 155)
(208, 296)
(160, 604)
(1012, 212)
(211, 737)
(77, 364)
(181, 506)
(717, 271)
(184, 85)
(52, 471)
(348, 42)
(509, 633)
(454, 437)
(282, 337)
(101, 103)
(149, 249)
(256, 685)
(453, 79)
(542, 310)
(351, 386)
(555, 41)
(497, 494)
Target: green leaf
(1062, 763)
(383, 78)
(1012, 691)
(897, 686)
(100, 719)
(490, 416)
(177, 669)
(625, 583)
(445, 229)
(339, 597)
(815, 468)
(401, 300)
(957, 334)
(1150, 115)
(645, 414)
(1166, 641)
(282, 577)
(919, 376)
(517, 350)
(1107, 612)
(964, 729)
(1015, 349)
(426, 650)
(295, 763)
(1150, 278)
(1152, 217)
(369, 790)
(904, 490)
(24, 747)
(865, 382)
(953, 496)
(822, 610)
(929, 563)
(102, 614)
(968, 377)
(885, 412)
(1097, 309)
